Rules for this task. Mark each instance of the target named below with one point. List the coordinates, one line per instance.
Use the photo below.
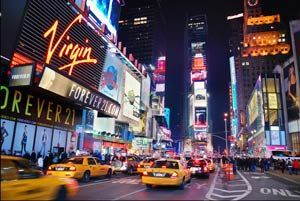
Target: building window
(296, 141)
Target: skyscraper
(195, 86)
(141, 30)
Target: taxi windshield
(73, 160)
(166, 164)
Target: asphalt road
(245, 186)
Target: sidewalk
(286, 176)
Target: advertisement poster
(24, 136)
(200, 117)
(72, 142)
(199, 75)
(7, 131)
(200, 136)
(131, 102)
(43, 140)
(290, 86)
(112, 77)
(59, 138)
(275, 139)
(200, 98)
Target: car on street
(126, 164)
(167, 172)
(198, 167)
(20, 181)
(145, 164)
(80, 167)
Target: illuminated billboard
(198, 62)
(199, 85)
(106, 12)
(253, 107)
(200, 135)
(160, 88)
(200, 97)
(112, 77)
(131, 101)
(200, 117)
(234, 96)
(200, 75)
(161, 66)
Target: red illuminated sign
(76, 53)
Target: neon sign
(76, 53)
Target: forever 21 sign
(53, 81)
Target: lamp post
(225, 121)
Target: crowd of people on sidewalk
(265, 164)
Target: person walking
(295, 166)
(282, 166)
(289, 165)
(40, 162)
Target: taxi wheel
(62, 194)
(182, 185)
(148, 185)
(109, 173)
(86, 176)
(189, 181)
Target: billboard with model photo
(24, 136)
(43, 140)
(7, 131)
(290, 86)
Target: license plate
(160, 174)
(60, 168)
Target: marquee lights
(76, 53)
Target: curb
(282, 177)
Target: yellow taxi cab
(145, 164)
(80, 167)
(22, 181)
(167, 172)
(211, 165)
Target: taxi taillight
(205, 168)
(174, 175)
(145, 173)
(49, 168)
(72, 168)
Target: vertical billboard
(145, 95)
(290, 86)
(131, 101)
(253, 108)
(112, 77)
(295, 35)
(200, 117)
(234, 97)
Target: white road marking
(258, 177)
(127, 181)
(213, 184)
(249, 187)
(134, 192)
(95, 183)
(233, 191)
(223, 196)
(232, 185)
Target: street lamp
(225, 121)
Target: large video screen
(112, 77)
(198, 75)
(131, 101)
(200, 117)
(107, 12)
